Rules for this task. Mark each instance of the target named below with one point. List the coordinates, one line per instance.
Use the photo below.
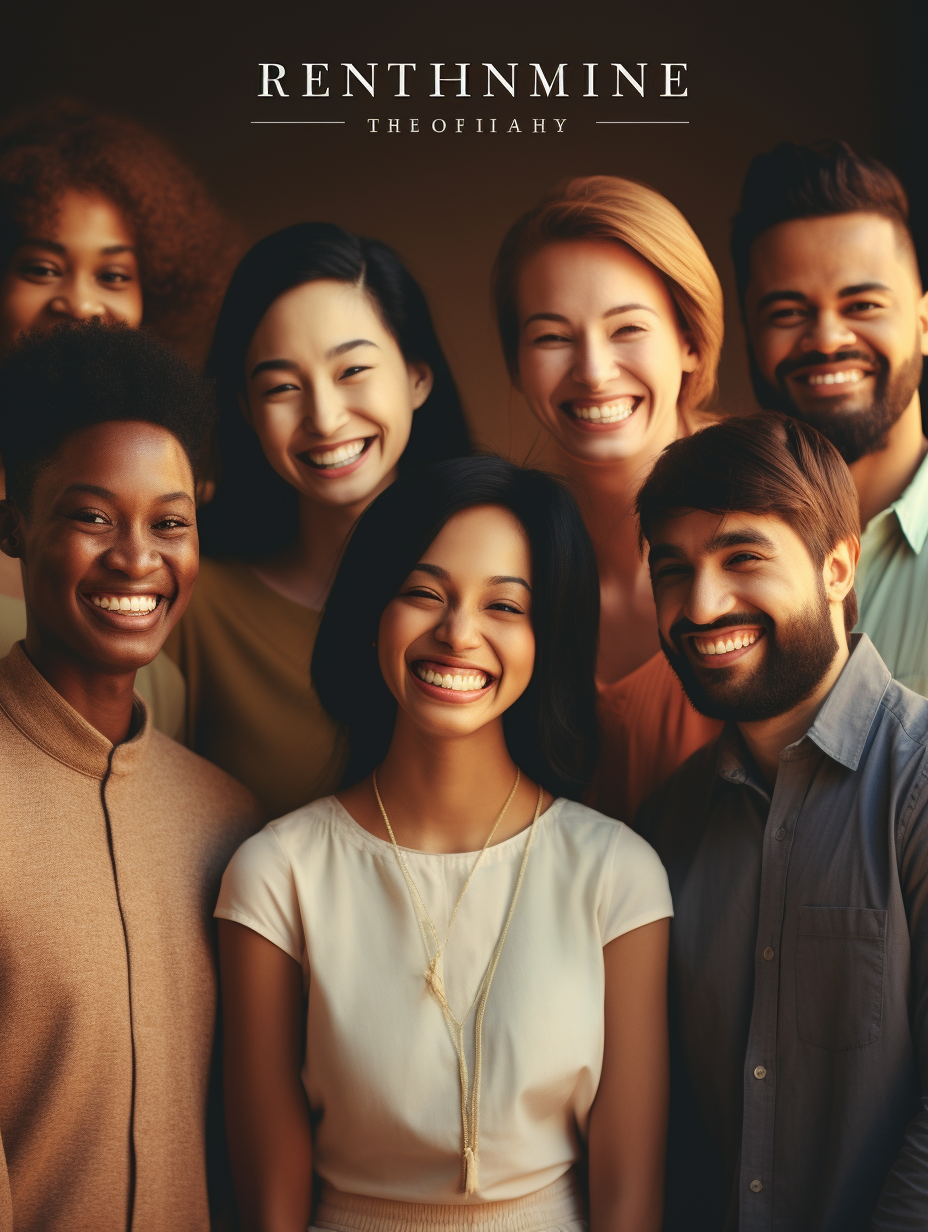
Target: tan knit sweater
(110, 862)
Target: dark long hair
(551, 730)
(305, 253)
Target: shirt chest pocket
(839, 976)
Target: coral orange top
(647, 728)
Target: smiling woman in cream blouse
(484, 957)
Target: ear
(690, 353)
(922, 315)
(840, 568)
(421, 381)
(244, 408)
(11, 530)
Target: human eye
(669, 572)
(354, 370)
(790, 315)
(628, 331)
(421, 592)
(285, 387)
(38, 271)
(742, 558)
(173, 521)
(114, 277)
(510, 606)
(863, 306)
(91, 517)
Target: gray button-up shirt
(799, 970)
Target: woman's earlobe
(690, 354)
(421, 380)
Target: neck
(104, 699)
(766, 740)
(881, 477)
(305, 571)
(444, 794)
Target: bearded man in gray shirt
(797, 850)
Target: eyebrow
(106, 494)
(498, 579)
(289, 365)
(859, 288)
(718, 543)
(53, 246)
(611, 312)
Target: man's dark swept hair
(764, 464)
(801, 181)
(551, 730)
(54, 384)
(309, 252)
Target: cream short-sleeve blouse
(381, 1071)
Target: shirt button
(760, 1072)
(756, 1186)
(779, 835)
(768, 953)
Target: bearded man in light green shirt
(837, 327)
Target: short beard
(797, 658)
(853, 433)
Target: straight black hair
(308, 252)
(551, 731)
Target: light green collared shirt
(892, 584)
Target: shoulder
(907, 714)
(185, 777)
(681, 794)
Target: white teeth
(340, 456)
(126, 603)
(726, 645)
(612, 412)
(849, 377)
(457, 682)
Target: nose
(79, 297)
(710, 595)
(458, 628)
(594, 364)
(827, 332)
(324, 410)
(132, 554)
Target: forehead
(130, 457)
(588, 275)
(699, 535)
(824, 255)
(485, 541)
(316, 316)
(86, 218)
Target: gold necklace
(435, 985)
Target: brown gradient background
(758, 74)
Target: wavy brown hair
(186, 247)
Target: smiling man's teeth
(340, 456)
(610, 412)
(724, 645)
(851, 377)
(126, 603)
(458, 682)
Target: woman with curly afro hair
(98, 218)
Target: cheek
(517, 655)
(21, 301)
(131, 307)
(540, 371)
(275, 428)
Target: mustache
(816, 358)
(731, 621)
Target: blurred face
(109, 544)
(747, 621)
(82, 265)
(837, 326)
(329, 393)
(601, 355)
(456, 645)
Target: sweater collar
(45, 718)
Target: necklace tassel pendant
(470, 1171)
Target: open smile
(126, 609)
(829, 380)
(451, 682)
(337, 460)
(721, 648)
(589, 414)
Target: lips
(126, 609)
(603, 413)
(453, 682)
(718, 648)
(334, 459)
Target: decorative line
(298, 121)
(642, 121)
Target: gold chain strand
(469, 1123)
